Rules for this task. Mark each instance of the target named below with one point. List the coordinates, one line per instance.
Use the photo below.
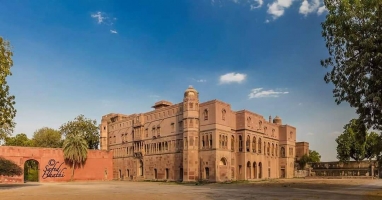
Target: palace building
(192, 141)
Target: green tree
(9, 168)
(20, 139)
(353, 34)
(313, 157)
(86, 127)
(7, 101)
(351, 145)
(75, 150)
(47, 137)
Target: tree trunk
(71, 179)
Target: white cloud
(321, 10)
(99, 16)
(277, 8)
(310, 133)
(252, 4)
(256, 4)
(300, 104)
(232, 78)
(201, 80)
(307, 8)
(114, 31)
(260, 93)
(103, 18)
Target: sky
(95, 57)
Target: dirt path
(264, 190)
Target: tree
(351, 145)
(47, 137)
(9, 168)
(7, 101)
(353, 34)
(75, 150)
(86, 127)
(313, 157)
(20, 139)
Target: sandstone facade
(191, 141)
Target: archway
(248, 170)
(260, 170)
(223, 161)
(155, 174)
(31, 171)
(254, 170)
(140, 169)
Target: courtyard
(272, 189)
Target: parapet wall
(52, 166)
(348, 169)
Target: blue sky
(95, 57)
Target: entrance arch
(248, 170)
(140, 168)
(31, 171)
(254, 170)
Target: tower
(190, 135)
(104, 143)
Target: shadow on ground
(17, 185)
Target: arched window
(248, 143)
(249, 121)
(269, 149)
(203, 144)
(254, 144)
(259, 148)
(260, 124)
(223, 114)
(273, 149)
(240, 143)
(282, 152)
(205, 114)
(232, 143)
(210, 140)
(220, 141)
(223, 161)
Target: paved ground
(277, 189)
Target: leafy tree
(9, 168)
(313, 157)
(75, 150)
(353, 34)
(7, 101)
(47, 137)
(86, 127)
(351, 145)
(20, 139)
(303, 161)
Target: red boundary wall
(52, 168)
